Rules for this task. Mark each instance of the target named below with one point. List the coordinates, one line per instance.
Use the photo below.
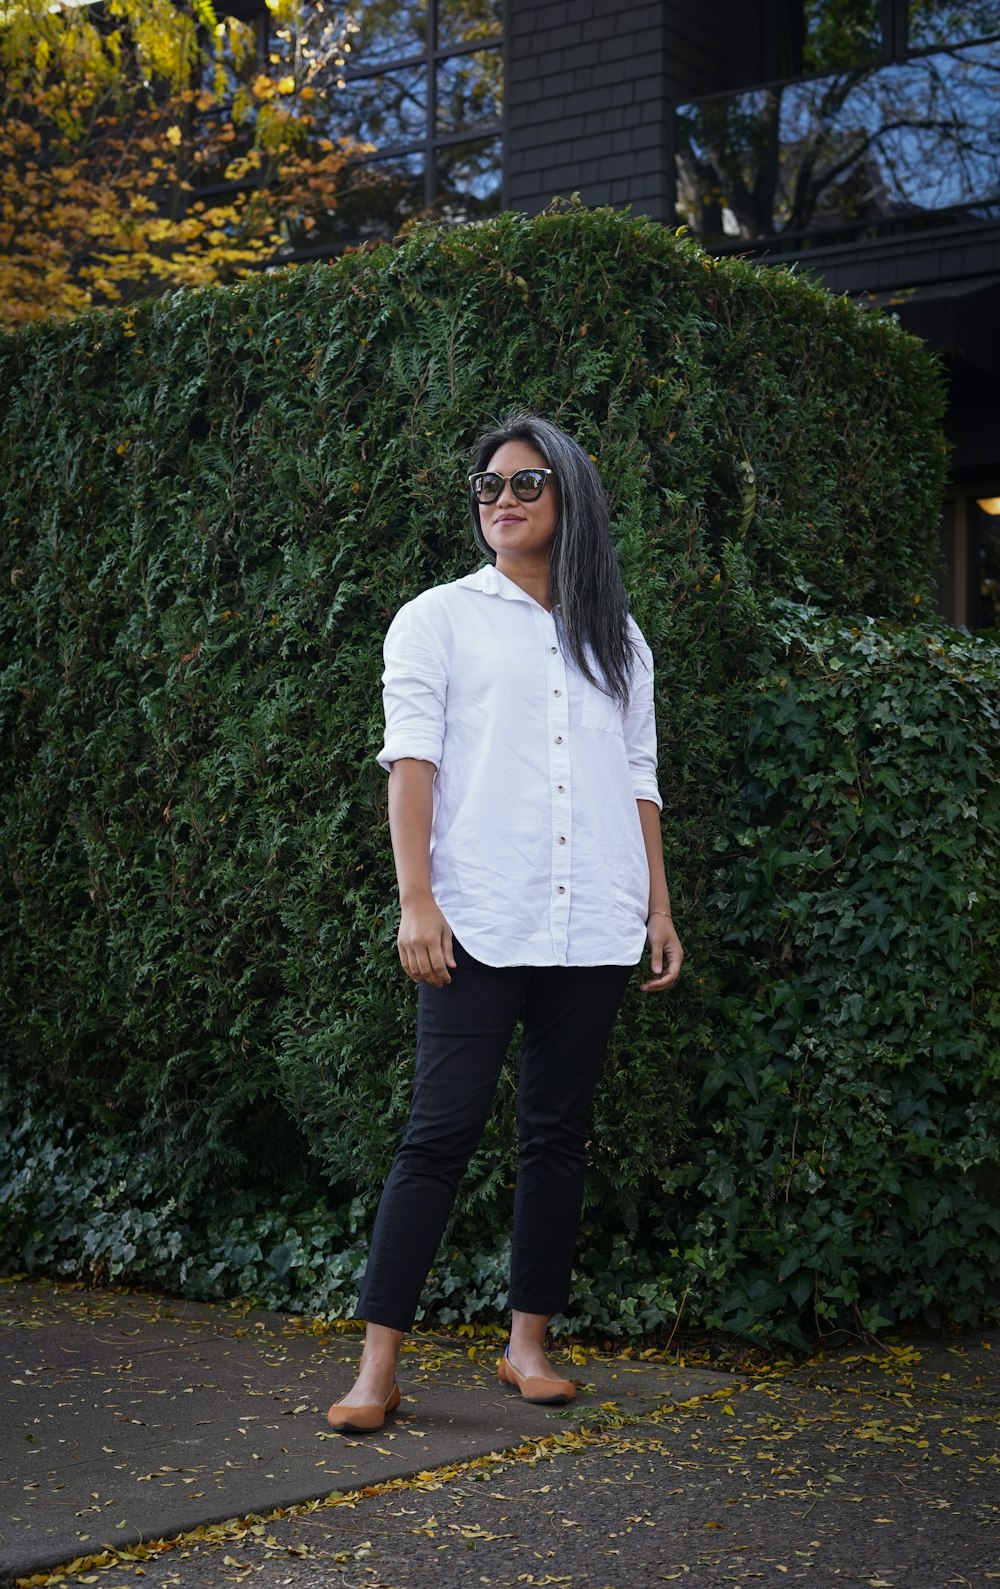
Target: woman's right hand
(424, 943)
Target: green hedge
(215, 504)
(854, 1103)
(73, 1206)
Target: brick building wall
(699, 48)
(585, 104)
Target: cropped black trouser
(463, 1033)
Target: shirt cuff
(419, 750)
(647, 791)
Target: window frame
(430, 56)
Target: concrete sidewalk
(127, 1418)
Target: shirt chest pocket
(600, 711)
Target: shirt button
(560, 788)
(560, 889)
(553, 650)
(557, 692)
(559, 739)
(562, 839)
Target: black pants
(463, 1033)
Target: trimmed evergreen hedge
(854, 1099)
(215, 504)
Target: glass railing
(856, 154)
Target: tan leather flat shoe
(543, 1392)
(363, 1418)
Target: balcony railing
(854, 154)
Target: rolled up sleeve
(640, 725)
(414, 687)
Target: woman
(525, 823)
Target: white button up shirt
(537, 855)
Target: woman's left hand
(665, 954)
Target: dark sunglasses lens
(487, 487)
(528, 484)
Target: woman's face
(517, 531)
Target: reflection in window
(383, 98)
(413, 90)
(463, 21)
(467, 180)
(468, 90)
(932, 23)
(848, 154)
(373, 201)
(387, 30)
(841, 34)
(388, 109)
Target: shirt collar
(492, 583)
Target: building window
(937, 24)
(420, 84)
(838, 35)
(842, 37)
(888, 126)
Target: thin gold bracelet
(666, 913)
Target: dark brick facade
(585, 104)
(953, 255)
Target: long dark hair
(585, 581)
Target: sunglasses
(526, 484)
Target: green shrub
(76, 1208)
(853, 1104)
(213, 507)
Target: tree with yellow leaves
(153, 144)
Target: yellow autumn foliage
(112, 126)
